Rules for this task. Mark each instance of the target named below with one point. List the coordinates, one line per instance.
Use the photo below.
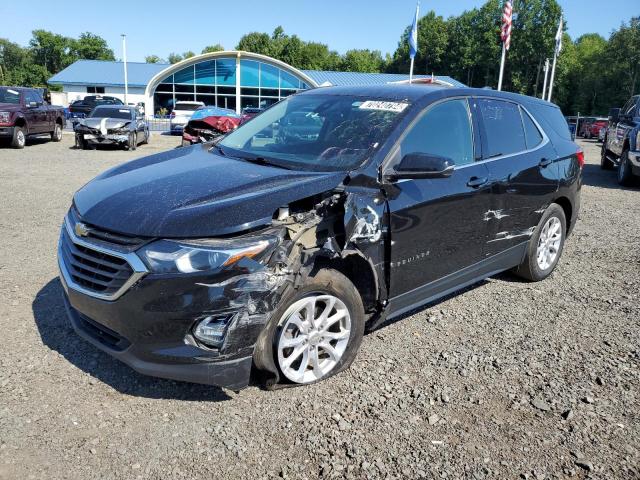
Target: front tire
(56, 135)
(625, 175)
(19, 139)
(316, 331)
(132, 143)
(545, 246)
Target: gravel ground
(506, 380)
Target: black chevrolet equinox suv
(263, 258)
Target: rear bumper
(6, 132)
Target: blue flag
(413, 35)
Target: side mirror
(422, 165)
(614, 115)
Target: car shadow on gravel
(56, 333)
(594, 176)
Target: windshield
(8, 95)
(316, 132)
(123, 113)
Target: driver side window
(444, 130)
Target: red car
(593, 129)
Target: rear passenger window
(445, 130)
(503, 126)
(532, 134)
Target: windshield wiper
(262, 161)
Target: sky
(161, 27)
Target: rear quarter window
(503, 127)
(551, 117)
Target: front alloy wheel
(314, 337)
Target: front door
(524, 167)
(437, 226)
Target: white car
(181, 114)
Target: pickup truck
(23, 112)
(621, 145)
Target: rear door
(436, 225)
(523, 168)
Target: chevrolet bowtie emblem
(81, 229)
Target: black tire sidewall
(624, 172)
(537, 273)
(322, 281)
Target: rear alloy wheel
(56, 135)
(625, 175)
(545, 246)
(19, 139)
(605, 163)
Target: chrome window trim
(545, 139)
(136, 264)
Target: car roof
(116, 107)
(414, 93)
(190, 102)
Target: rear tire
(605, 163)
(335, 346)
(146, 138)
(19, 139)
(545, 246)
(625, 174)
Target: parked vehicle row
(82, 108)
(264, 256)
(621, 145)
(23, 113)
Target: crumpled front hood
(104, 124)
(190, 192)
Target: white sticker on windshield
(396, 107)
(123, 111)
(13, 92)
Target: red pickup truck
(23, 112)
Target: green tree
(188, 54)
(91, 47)
(213, 48)
(153, 59)
(51, 51)
(174, 58)
(362, 61)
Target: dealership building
(229, 79)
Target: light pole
(124, 61)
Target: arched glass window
(214, 83)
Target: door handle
(477, 182)
(545, 162)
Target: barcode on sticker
(396, 107)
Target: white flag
(559, 38)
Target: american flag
(507, 15)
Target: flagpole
(411, 72)
(553, 74)
(504, 51)
(546, 76)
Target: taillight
(580, 157)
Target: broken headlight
(190, 256)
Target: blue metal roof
(350, 79)
(100, 72)
(106, 73)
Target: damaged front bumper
(150, 327)
(109, 138)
